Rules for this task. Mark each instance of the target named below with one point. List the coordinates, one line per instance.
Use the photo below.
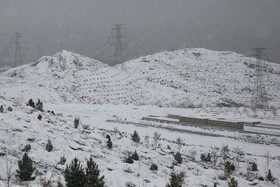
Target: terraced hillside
(205, 77)
(183, 78)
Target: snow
(184, 78)
(109, 100)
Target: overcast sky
(84, 26)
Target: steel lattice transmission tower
(117, 39)
(18, 56)
(259, 99)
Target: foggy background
(84, 26)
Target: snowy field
(21, 127)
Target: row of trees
(74, 174)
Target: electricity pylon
(117, 39)
(259, 99)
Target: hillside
(202, 77)
(21, 127)
(184, 78)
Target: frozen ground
(113, 100)
(184, 78)
(21, 127)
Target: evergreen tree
(135, 137)
(31, 103)
(229, 168)
(39, 105)
(39, 117)
(135, 156)
(178, 157)
(74, 174)
(176, 180)
(233, 183)
(129, 160)
(26, 168)
(109, 142)
(92, 175)
(254, 167)
(76, 122)
(1, 109)
(269, 176)
(49, 146)
(59, 184)
(154, 167)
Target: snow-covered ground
(112, 101)
(184, 78)
(21, 127)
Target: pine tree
(233, 183)
(74, 174)
(176, 180)
(49, 146)
(31, 103)
(254, 167)
(178, 157)
(269, 176)
(76, 122)
(1, 109)
(135, 137)
(39, 117)
(39, 105)
(109, 142)
(26, 168)
(229, 168)
(154, 167)
(59, 184)
(135, 156)
(92, 175)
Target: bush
(233, 183)
(74, 174)
(76, 122)
(92, 175)
(154, 167)
(109, 142)
(26, 148)
(178, 157)
(135, 137)
(261, 178)
(1, 109)
(26, 168)
(39, 117)
(135, 156)
(49, 146)
(10, 109)
(176, 180)
(62, 160)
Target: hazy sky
(84, 26)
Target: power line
(259, 98)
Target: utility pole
(18, 56)
(117, 39)
(259, 99)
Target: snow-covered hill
(183, 78)
(202, 77)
